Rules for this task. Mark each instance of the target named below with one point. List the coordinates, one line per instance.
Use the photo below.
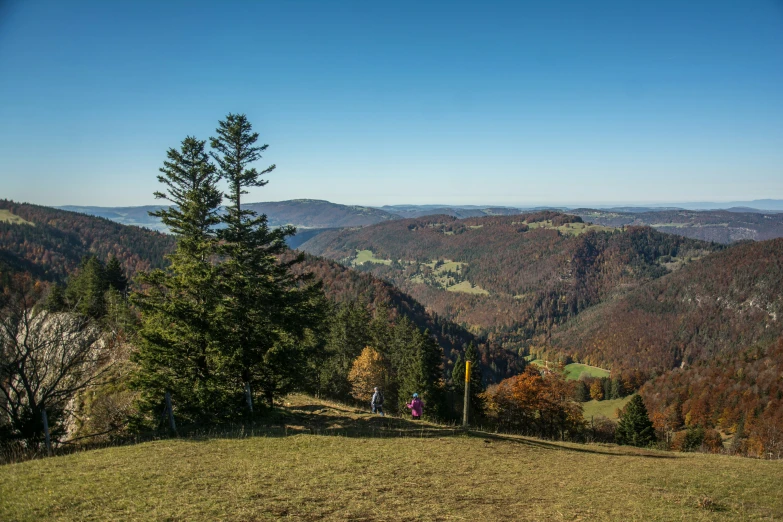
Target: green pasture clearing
(322, 461)
(468, 288)
(367, 256)
(573, 229)
(575, 370)
(6, 216)
(606, 408)
(447, 266)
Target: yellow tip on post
(467, 371)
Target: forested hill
(302, 213)
(713, 332)
(50, 243)
(313, 213)
(344, 285)
(511, 277)
(716, 307)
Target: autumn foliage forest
(699, 321)
(693, 327)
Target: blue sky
(400, 102)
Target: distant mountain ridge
(722, 226)
(728, 225)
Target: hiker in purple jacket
(415, 406)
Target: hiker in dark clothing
(377, 402)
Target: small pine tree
(617, 389)
(635, 427)
(476, 384)
(115, 276)
(346, 338)
(85, 291)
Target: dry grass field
(324, 461)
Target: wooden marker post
(46, 433)
(466, 406)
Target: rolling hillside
(460, 212)
(717, 306)
(302, 213)
(313, 213)
(50, 242)
(513, 277)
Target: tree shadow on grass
(626, 451)
(345, 421)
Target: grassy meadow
(367, 256)
(6, 216)
(574, 370)
(324, 461)
(573, 229)
(606, 408)
(468, 288)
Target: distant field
(573, 229)
(606, 408)
(574, 370)
(7, 217)
(367, 256)
(363, 467)
(447, 266)
(468, 288)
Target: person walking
(377, 402)
(416, 406)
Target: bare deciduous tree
(45, 360)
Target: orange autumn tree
(533, 404)
(596, 390)
(367, 372)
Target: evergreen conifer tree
(115, 276)
(177, 353)
(265, 302)
(347, 338)
(476, 385)
(635, 427)
(416, 361)
(85, 290)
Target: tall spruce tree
(178, 351)
(416, 361)
(265, 302)
(635, 427)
